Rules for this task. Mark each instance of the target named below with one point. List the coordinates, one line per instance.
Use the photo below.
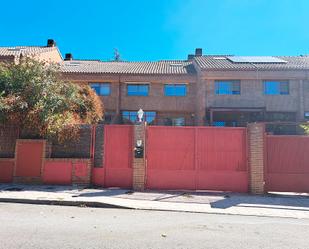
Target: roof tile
(222, 63)
(154, 67)
(25, 50)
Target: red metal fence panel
(287, 163)
(6, 170)
(118, 152)
(197, 158)
(170, 158)
(57, 172)
(222, 159)
(29, 158)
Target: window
(280, 116)
(175, 89)
(102, 89)
(230, 87)
(108, 117)
(276, 87)
(218, 123)
(225, 123)
(131, 116)
(177, 121)
(137, 89)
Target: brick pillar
(256, 135)
(139, 164)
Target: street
(39, 226)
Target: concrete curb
(63, 203)
(106, 205)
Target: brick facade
(8, 136)
(79, 148)
(252, 91)
(164, 106)
(99, 146)
(201, 93)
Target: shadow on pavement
(281, 202)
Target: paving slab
(272, 205)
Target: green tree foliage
(34, 98)
(305, 127)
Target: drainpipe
(93, 142)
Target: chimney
(51, 43)
(190, 57)
(68, 57)
(198, 52)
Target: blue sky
(159, 29)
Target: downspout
(93, 142)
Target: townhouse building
(236, 90)
(220, 90)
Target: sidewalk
(271, 205)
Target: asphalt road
(39, 226)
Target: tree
(34, 98)
(305, 128)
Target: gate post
(139, 164)
(256, 150)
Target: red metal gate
(118, 141)
(287, 167)
(29, 158)
(197, 158)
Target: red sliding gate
(118, 144)
(197, 158)
(287, 167)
